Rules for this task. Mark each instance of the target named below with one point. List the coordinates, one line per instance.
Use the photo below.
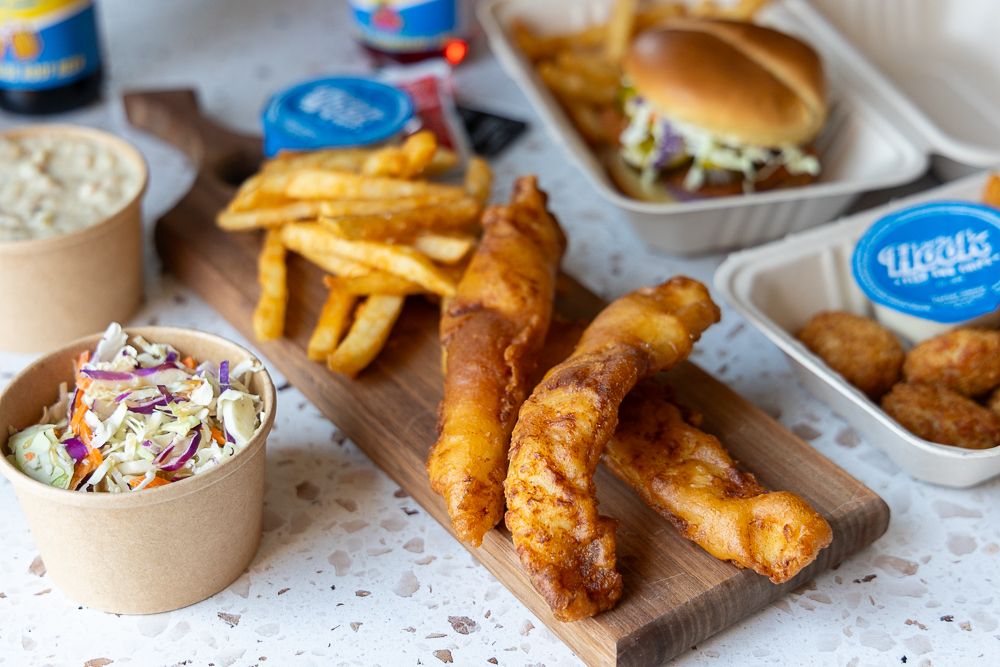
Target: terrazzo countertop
(350, 570)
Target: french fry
(351, 160)
(478, 179)
(372, 323)
(620, 29)
(595, 68)
(570, 85)
(658, 14)
(462, 216)
(400, 260)
(337, 208)
(269, 316)
(991, 193)
(274, 216)
(444, 160)
(333, 320)
(335, 159)
(444, 249)
(377, 282)
(404, 161)
(538, 47)
(302, 239)
(588, 120)
(320, 184)
(742, 10)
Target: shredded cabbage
(134, 428)
(652, 144)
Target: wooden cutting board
(675, 594)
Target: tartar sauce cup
(57, 288)
(931, 268)
(151, 550)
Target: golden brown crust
(860, 349)
(745, 82)
(492, 333)
(964, 360)
(688, 477)
(566, 547)
(941, 415)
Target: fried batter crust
(492, 332)
(688, 477)
(963, 360)
(860, 349)
(941, 415)
(565, 546)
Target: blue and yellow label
(407, 25)
(47, 43)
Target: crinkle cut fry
(688, 477)
(492, 332)
(565, 546)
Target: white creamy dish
(53, 184)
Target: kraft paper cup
(54, 290)
(156, 549)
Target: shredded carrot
(156, 481)
(86, 466)
(82, 381)
(30, 456)
(77, 425)
(218, 437)
(189, 362)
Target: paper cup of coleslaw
(70, 234)
(155, 549)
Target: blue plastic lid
(335, 112)
(938, 261)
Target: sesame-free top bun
(738, 80)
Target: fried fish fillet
(566, 547)
(688, 477)
(492, 332)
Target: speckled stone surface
(350, 570)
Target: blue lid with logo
(334, 112)
(938, 261)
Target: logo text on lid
(912, 263)
(339, 106)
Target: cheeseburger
(717, 108)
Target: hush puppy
(963, 360)
(941, 415)
(860, 349)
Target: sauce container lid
(938, 261)
(334, 112)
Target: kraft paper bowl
(54, 290)
(156, 549)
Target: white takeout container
(56, 289)
(156, 549)
(779, 286)
(862, 146)
(941, 62)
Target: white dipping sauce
(55, 183)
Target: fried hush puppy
(941, 415)
(860, 349)
(966, 361)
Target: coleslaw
(139, 416)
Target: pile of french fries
(372, 220)
(582, 69)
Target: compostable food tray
(862, 147)
(779, 286)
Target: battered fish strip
(566, 547)
(688, 477)
(492, 332)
